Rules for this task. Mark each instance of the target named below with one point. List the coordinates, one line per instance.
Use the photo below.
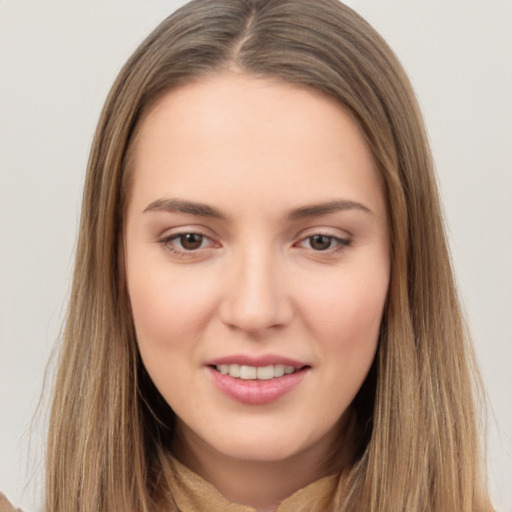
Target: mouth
(257, 381)
(246, 372)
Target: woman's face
(257, 263)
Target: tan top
(191, 493)
(188, 492)
(5, 506)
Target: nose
(255, 297)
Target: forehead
(233, 134)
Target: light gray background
(57, 62)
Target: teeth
(234, 370)
(247, 372)
(253, 372)
(279, 370)
(265, 373)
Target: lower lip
(257, 392)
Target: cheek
(169, 317)
(168, 308)
(345, 317)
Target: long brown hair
(417, 446)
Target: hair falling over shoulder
(418, 442)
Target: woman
(262, 313)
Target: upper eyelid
(333, 232)
(185, 230)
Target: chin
(264, 444)
(264, 451)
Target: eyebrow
(204, 210)
(181, 206)
(316, 210)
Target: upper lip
(257, 361)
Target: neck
(257, 483)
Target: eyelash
(168, 243)
(340, 243)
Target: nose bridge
(256, 297)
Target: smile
(257, 385)
(255, 372)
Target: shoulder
(5, 506)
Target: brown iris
(320, 242)
(191, 241)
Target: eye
(320, 242)
(190, 241)
(183, 243)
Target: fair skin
(255, 230)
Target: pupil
(191, 241)
(320, 242)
